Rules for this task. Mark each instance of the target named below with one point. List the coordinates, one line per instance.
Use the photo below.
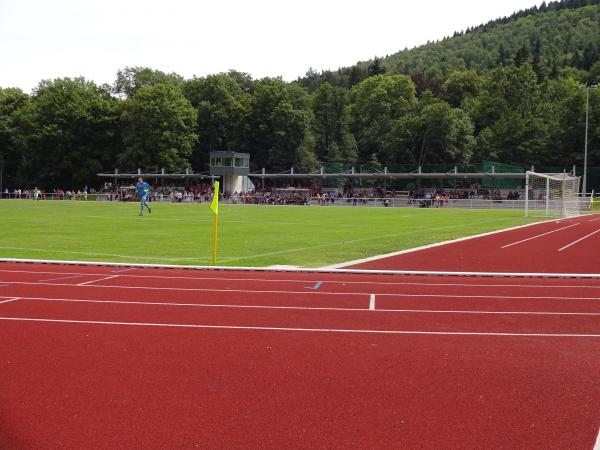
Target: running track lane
(485, 254)
(84, 385)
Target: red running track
(548, 247)
(107, 357)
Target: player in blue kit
(143, 191)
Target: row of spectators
(199, 193)
(41, 194)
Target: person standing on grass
(143, 191)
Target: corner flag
(214, 205)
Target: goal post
(552, 194)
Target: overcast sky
(66, 38)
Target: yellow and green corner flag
(214, 205)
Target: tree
(221, 107)
(290, 128)
(130, 79)
(333, 140)
(11, 100)
(522, 55)
(278, 125)
(158, 129)
(461, 85)
(538, 64)
(509, 114)
(435, 133)
(67, 133)
(375, 68)
(376, 103)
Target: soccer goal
(552, 194)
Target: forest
(513, 91)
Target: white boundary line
(539, 235)
(425, 247)
(578, 240)
(305, 292)
(95, 281)
(322, 270)
(311, 330)
(597, 444)
(301, 281)
(313, 308)
(11, 299)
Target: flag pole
(215, 226)
(214, 206)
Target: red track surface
(486, 254)
(107, 357)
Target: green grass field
(248, 235)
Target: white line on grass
(96, 281)
(355, 241)
(230, 259)
(312, 308)
(112, 255)
(190, 220)
(309, 330)
(306, 292)
(287, 280)
(578, 240)
(539, 235)
(372, 302)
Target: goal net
(552, 194)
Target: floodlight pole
(585, 151)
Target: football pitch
(249, 235)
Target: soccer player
(143, 191)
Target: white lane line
(96, 281)
(539, 235)
(428, 246)
(597, 445)
(275, 280)
(60, 278)
(307, 292)
(126, 270)
(12, 299)
(312, 308)
(309, 330)
(578, 240)
(593, 220)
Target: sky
(94, 39)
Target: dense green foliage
(509, 91)
(182, 233)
